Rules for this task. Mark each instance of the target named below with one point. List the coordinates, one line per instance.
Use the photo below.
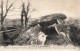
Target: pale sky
(71, 8)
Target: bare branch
(12, 9)
(8, 8)
(33, 10)
(29, 16)
(6, 5)
(1, 8)
(28, 7)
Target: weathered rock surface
(52, 17)
(42, 25)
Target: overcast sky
(71, 8)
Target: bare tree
(22, 14)
(25, 13)
(3, 15)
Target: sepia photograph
(40, 23)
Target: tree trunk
(26, 21)
(2, 27)
(22, 21)
(2, 18)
